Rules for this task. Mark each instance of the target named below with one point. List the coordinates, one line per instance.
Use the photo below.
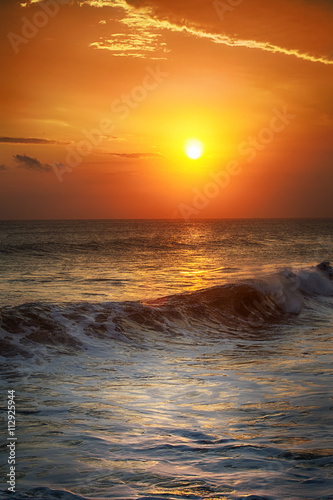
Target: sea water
(167, 359)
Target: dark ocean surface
(168, 359)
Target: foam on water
(226, 309)
(167, 361)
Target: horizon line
(166, 219)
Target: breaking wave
(246, 306)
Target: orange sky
(100, 96)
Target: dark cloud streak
(137, 155)
(29, 163)
(21, 140)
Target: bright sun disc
(193, 148)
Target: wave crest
(238, 307)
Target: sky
(101, 98)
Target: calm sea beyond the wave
(167, 360)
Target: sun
(193, 148)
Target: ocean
(158, 359)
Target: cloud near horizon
(137, 155)
(33, 164)
(22, 140)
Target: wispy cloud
(145, 24)
(32, 164)
(121, 173)
(22, 140)
(137, 155)
(252, 44)
(130, 45)
(143, 36)
(138, 36)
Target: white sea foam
(181, 381)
